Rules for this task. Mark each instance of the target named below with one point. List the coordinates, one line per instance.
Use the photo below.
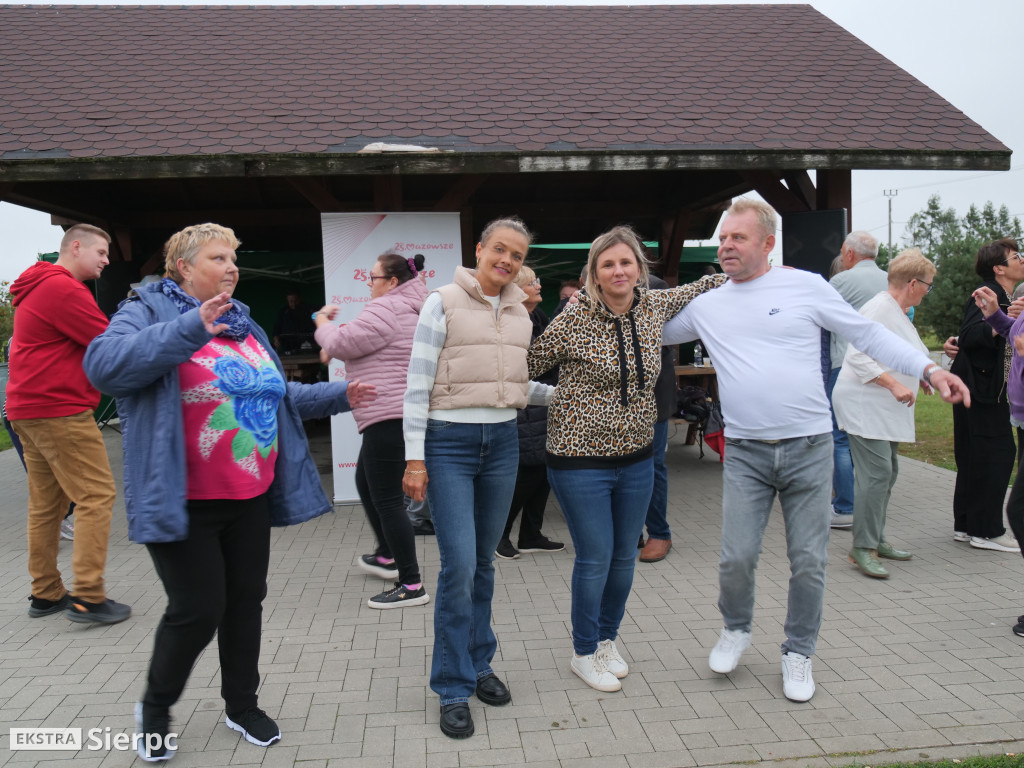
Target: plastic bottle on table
(698, 356)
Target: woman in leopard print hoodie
(600, 431)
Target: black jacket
(532, 421)
(980, 360)
(665, 387)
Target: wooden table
(303, 368)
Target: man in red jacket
(50, 404)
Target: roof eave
(415, 163)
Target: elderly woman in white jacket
(875, 406)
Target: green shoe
(885, 549)
(867, 562)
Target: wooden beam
(468, 237)
(671, 246)
(316, 192)
(800, 184)
(457, 196)
(273, 165)
(123, 238)
(835, 191)
(769, 186)
(387, 193)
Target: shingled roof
(689, 81)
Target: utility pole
(890, 193)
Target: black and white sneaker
(152, 726)
(543, 544)
(255, 725)
(399, 597)
(506, 551)
(371, 564)
(1018, 628)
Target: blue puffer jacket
(136, 360)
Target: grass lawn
(1007, 760)
(5, 440)
(934, 427)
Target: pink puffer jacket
(376, 347)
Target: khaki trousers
(67, 460)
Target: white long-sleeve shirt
(870, 410)
(765, 338)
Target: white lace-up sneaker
(612, 660)
(727, 651)
(797, 681)
(592, 670)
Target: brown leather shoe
(655, 550)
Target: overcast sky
(963, 50)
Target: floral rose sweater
(603, 411)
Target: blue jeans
(471, 470)
(797, 469)
(842, 472)
(605, 510)
(657, 510)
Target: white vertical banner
(352, 243)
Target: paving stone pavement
(923, 665)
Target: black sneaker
(370, 564)
(152, 725)
(255, 725)
(107, 612)
(1018, 628)
(543, 544)
(506, 551)
(399, 597)
(40, 607)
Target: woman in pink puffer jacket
(375, 348)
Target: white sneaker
(592, 670)
(727, 651)
(1004, 543)
(797, 681)
(612, 660)
(840, 520)
(962, 537)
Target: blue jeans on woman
(605, 511)
(471, 471)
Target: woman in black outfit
(982, 438)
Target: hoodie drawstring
(623, 369)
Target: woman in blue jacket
(214, 454)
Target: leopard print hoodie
(603, 411)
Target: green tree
(952, 243)
(6, 317)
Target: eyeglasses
(1016, 256)
(924, 283)
(379, 277)
(534, 283)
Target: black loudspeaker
(812, 239)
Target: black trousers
(215, 581)
(530, 496)
(984, 452)
(1015, 506)
(379, 473)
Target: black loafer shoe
(456, 721)
(490, 690)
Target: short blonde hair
(909, 265)
(620, 235)
(767, 219)
(81, 232)
(185, 245)
(525, 276)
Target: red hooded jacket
(55, 319)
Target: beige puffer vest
(483, 362)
